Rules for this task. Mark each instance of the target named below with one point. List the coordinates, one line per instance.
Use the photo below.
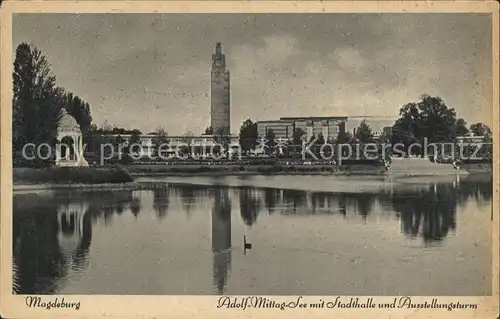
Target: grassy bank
(72, 175)
(186, 170)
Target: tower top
(218, 59)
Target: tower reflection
(221, 238)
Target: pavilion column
(66, 151)
(79, 147)
(80, 155)
(75, 147)
(58, 150)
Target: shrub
(73, 175)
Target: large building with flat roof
(281, 129)
(328, 126)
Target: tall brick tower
(220, 93)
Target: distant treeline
(115, 130)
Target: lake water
(310, 235)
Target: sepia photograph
(251, 154)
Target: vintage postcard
(254, 159)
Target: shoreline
(135, 172)
(253, 173)
(248, 170)
(387, 174)
(137, 185)
(54, 186)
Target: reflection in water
(429, 213)
(249, 205)
(74, 233)
(221, 238)
(188, 197)
(52, 234)
(342, 204)
(161, 200)
(135, 206)
(271, 197)
(47, 244)
(295, 199)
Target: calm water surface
(309, 235)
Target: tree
(312, 138)
(343, 138)
(364, 133)
(248, 136)
(160, 140)
(297, 136)
(188, 138)
(316, 143)
(106, 126)
(461, 128)
(480, 129)
(135, 139)
(117, 143)
(209, 130)
(270, 141)
(222, 138)
(430, 118)
(50, 105)
(386, 135)
(104, 140)
(92, 139)
(33, 85)
(135, 136)
(79, 109)
(321, 139)
(18, 137)
(119, 140)
(295, 144)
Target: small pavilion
(69, 149)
